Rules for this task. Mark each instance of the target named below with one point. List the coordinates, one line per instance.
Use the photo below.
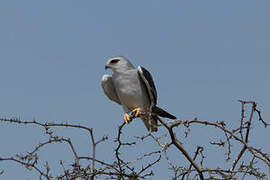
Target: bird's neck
(123, 70)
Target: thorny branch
(122, 168)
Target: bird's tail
(151, 122)
(162, 113)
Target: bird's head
(118, 64)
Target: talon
(127, 118)
(136, 112)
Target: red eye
(114, 61)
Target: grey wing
(147, 80)
(109, 89)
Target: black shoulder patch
(149, 83)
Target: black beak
(106, 67)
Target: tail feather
(162, 113)
(150, 123)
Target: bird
(134, 89)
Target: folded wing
(147, 80)
(109, 89)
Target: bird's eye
(114, 61)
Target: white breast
(129, 90)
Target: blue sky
(203, 55)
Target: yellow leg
(127, 118)
(136, 112)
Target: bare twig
(180, 148)
(123, 169)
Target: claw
(136, 112)
(127, 118)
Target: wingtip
(105, 77)
(173, 117)
(163, 113)
(170, 116)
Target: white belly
(130, 92)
